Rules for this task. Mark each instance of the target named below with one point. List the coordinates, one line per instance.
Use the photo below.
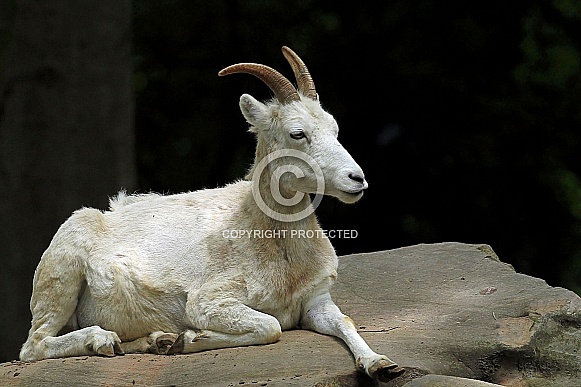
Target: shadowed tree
(66, 133)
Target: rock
(446, 309)
(447, 381)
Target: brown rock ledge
(449, 309)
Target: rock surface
(447, 381)
(448, 309)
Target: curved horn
(304, 79)
(283, 89)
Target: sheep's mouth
(353, 193)
(349, 196)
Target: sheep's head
(294, 127)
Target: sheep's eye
(297, 135)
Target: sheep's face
(301, 139)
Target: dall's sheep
(168, 274)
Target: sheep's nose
(359, 178)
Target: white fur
(152, 267)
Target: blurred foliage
(464, 115)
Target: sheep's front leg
(320, 314)
(223, 324)
(157, 343)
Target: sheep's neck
(266, 192)
(289, 212)
(288, 241)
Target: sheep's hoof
(385, 370)
(163, 342)
(177, 346)
(102, 342)
(110, 349)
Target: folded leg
(223, 324)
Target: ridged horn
(302, 75)
(282, 88)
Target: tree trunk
(66, 133)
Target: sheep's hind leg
(57, 284)
(87, 341)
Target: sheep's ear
(256, 113)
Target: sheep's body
(172, 274)
(142, 260)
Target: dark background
(465, 117)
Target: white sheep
(164, 274)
